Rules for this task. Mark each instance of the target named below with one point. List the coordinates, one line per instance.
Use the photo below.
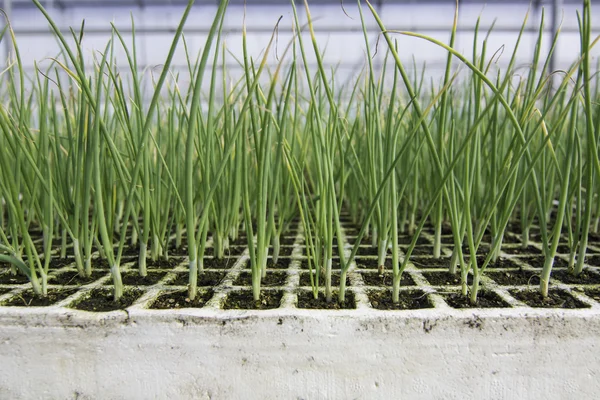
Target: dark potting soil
(282, 263)
(506, 239)
(407, 239)
(287, 240)
(160, 263)
(273, 278)
(538, 262)
(586, 277)
(73, 277)
(307, 300)
(515, 277)
(594, 293)
(556, 299)
(219, 263)
(421, 250)
(501, 262)
(179, 251)
(593, 260)
(563, 249)
(368, 251)
(285, 251)
(133, 278)
(206, 278)
(57, 263)
(180, 299)
(7, 278)
(234, 251)
(335, 265)
(408, 300)
(4, 290)
(368, 263)
(485, 299)
(243, 300)
(447, 240)
(131, 251)
(100, 263)
(56, 244)
(445, 278)
(28, 298)
(101, 300)
(482, 249)
(335, 279)
(518, 250)
(375, 279)
(431, 262)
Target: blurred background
(339, 35)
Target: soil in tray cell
(556, 299)
(485, 299)
(420, 250)
(159, 263)
(335, 279)
(282, 263)
(206, 278)
(406, 239)
(306, 299)
(243, 300)
(7, 278)
(430, 262)
(408, 300)
(273, 278)
(73, 277)
(368, 251)
(4, 290)
(594, 293)
(586, 277)
(375, 279)
(518, 250)
(58, 262)
(287, 240)
(593, 260)
(133, 278)
(445, 278)
(284, 251)
(29, 299)
(538, 261)
(101, 300)
(515, 277)
(181, 251)
(219, 263)
(180, 299)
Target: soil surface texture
(206, 278)
(273, 278)
(307, 300)
(515, 277)
(445, 278)
(133, 278)
(385, 279)
(408, 300)
(29, 299)
(7, 278)
(101, 300)
(335, 279)
(556, 299)
(586, 277)
(485, 299)
(180, 299)
(73, 277)
(243, 300)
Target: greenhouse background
(337, 31)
